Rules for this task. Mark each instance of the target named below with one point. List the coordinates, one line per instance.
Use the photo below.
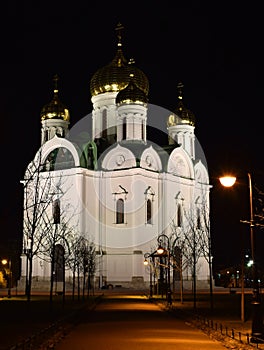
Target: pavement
(223, 323)
(131, 322)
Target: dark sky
(214, 48)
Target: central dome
(116, 75)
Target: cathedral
(109, 183)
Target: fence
(222, 332)
(217, 330)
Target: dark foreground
(120, 312)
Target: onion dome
(131, 94)
(115, 76)
(55, 109)
(182, 115)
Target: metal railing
(218, 330)
(228, 332)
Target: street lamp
(146, 263)
(257, 324)
(27, 252)
(165, 249)
(9, 273)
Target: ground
(21, 319)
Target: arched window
(59, 263)
(104, 124)
(198, 219)
(149, 211)
(46, 135)
(56, 211)
(120, 211)
(91, 155)
(124, 129)
(59, 131)
(179, 216)
(60, 158)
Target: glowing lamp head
(145, 262)
(160, 250)
(227, 181)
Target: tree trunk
(51, 279)
(73, 283)
(29, 282)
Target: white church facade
(114, 186)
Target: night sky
(213, 48)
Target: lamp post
(27, 252)
(146, 263)
(8, 262)
(257, 324)
(165, 250)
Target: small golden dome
(55, 109)
(182, 115)
(131, 94)
(115, 76)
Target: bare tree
(206, 245)
(36, 201)
(192, 236)
(60, 228)
(54, 250)
(205, 241)
(73, 262)
(177, 252)
(88, 253)
(82, 263)
(48, 220)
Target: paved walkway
(132, 322)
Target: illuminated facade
(124, 190)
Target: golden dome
(55, 109)
(182, 115)
(131, 94)
(116, 75)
